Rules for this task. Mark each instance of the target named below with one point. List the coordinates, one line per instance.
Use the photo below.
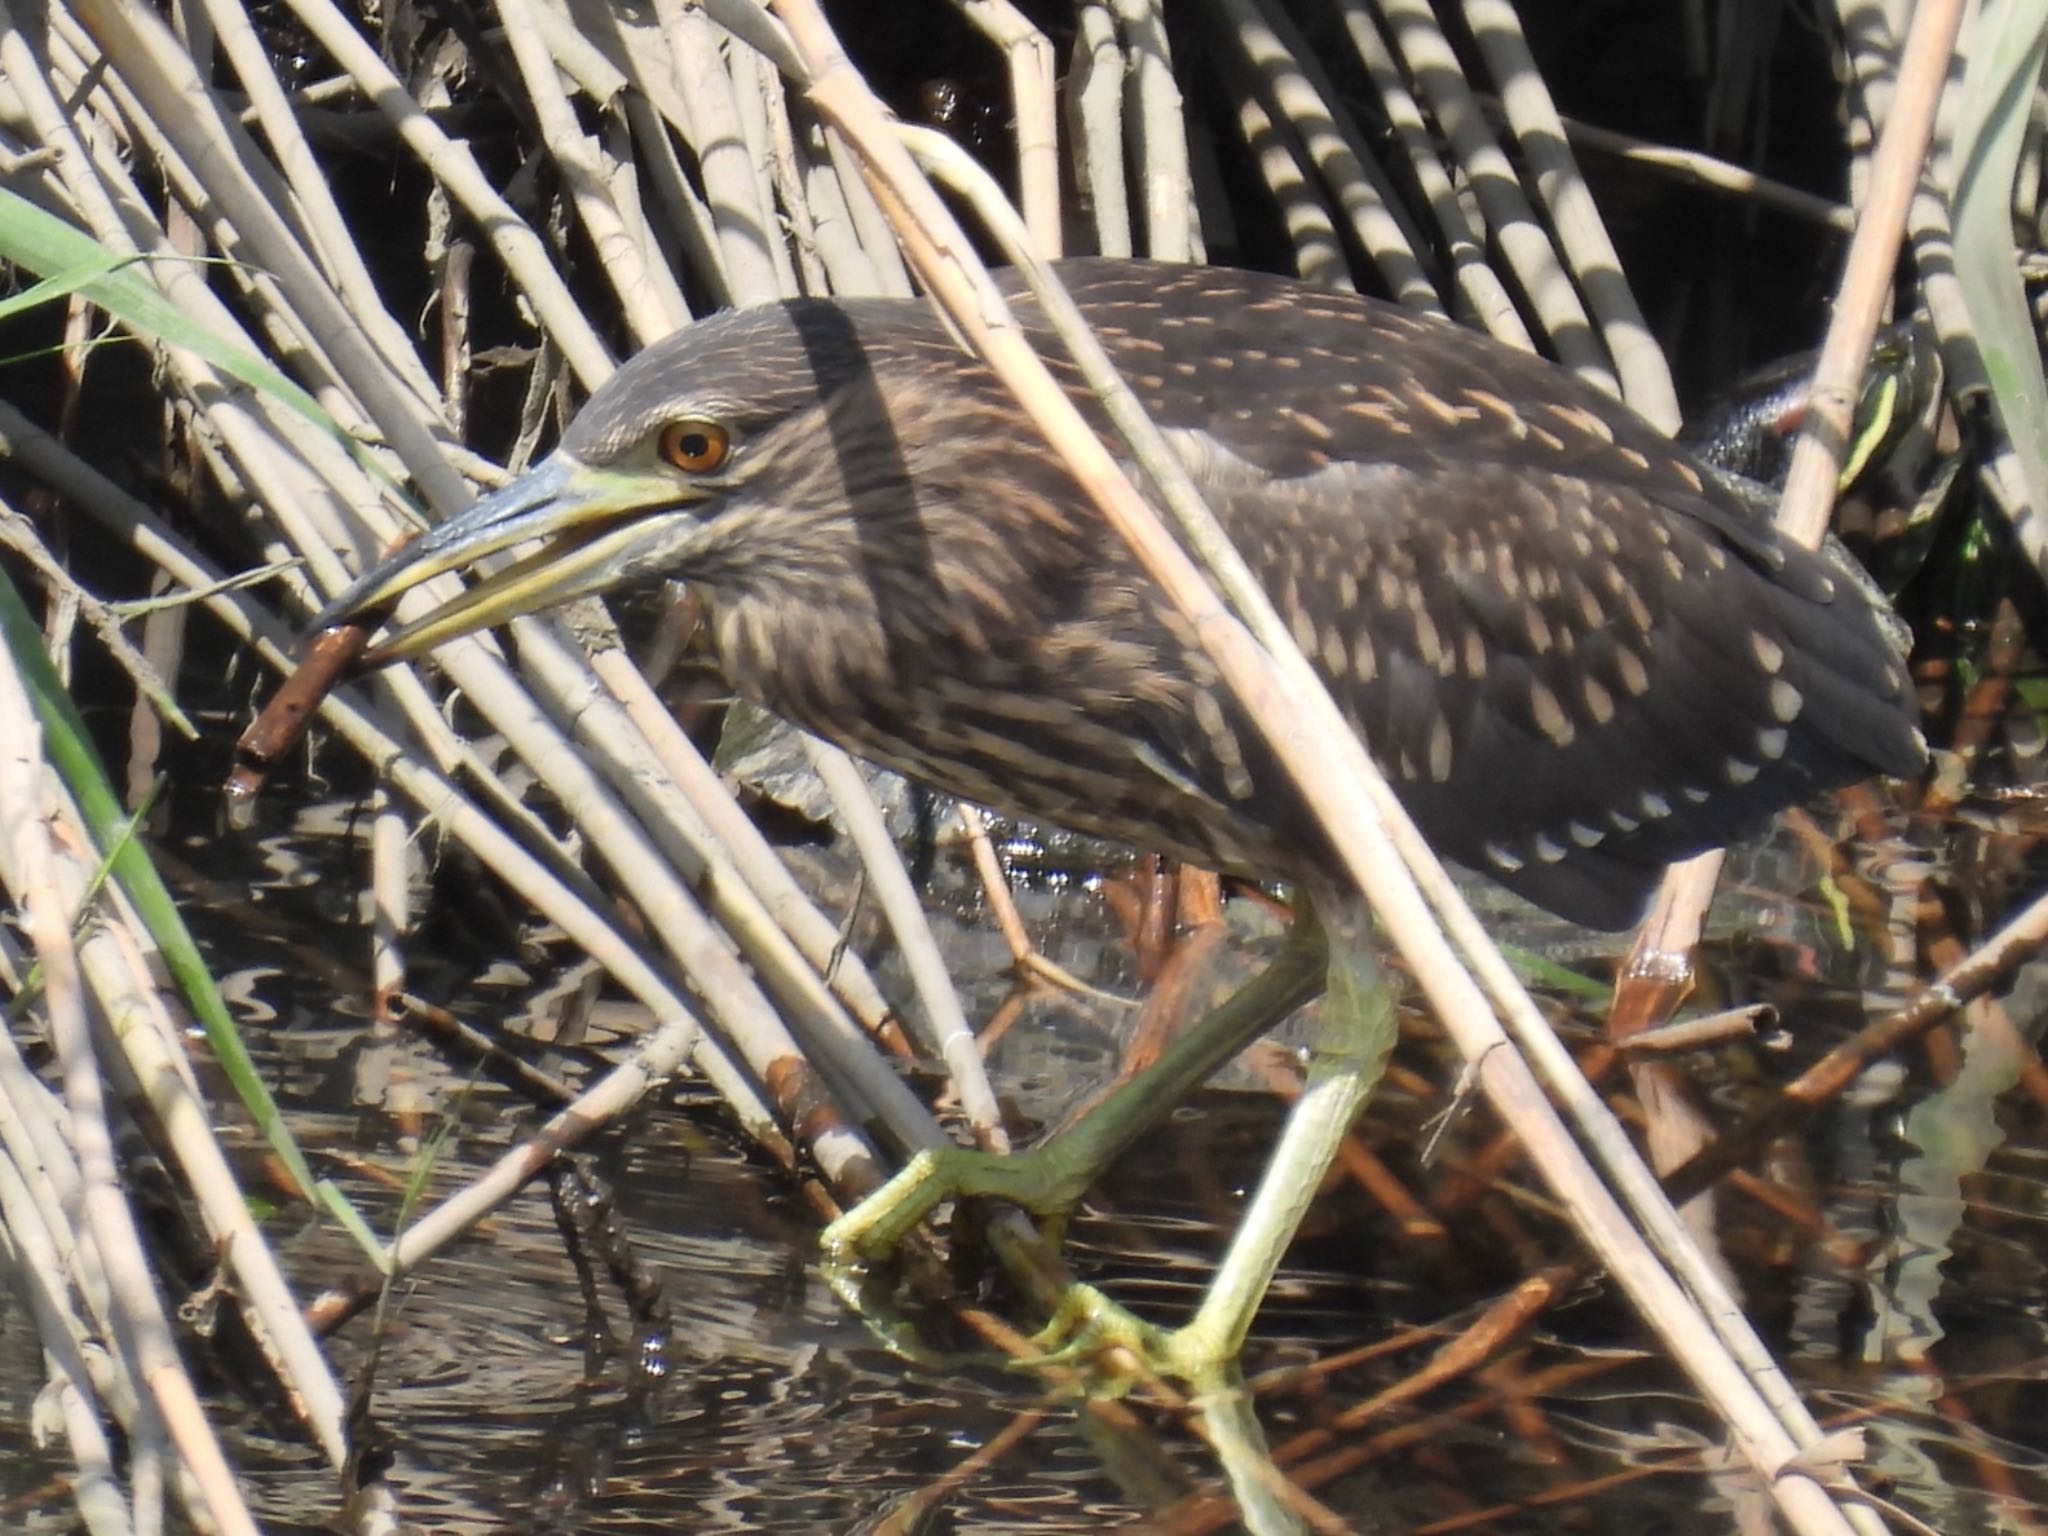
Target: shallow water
(1909, 1300)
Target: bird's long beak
(593, 519)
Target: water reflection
(1902, 1280)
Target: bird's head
(807, 456)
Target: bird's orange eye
(695, 447)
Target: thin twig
(143, 1330)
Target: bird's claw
(873, 1228)
(1119, 1348)
(1040, 1181)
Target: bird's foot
(1048, 1181)
(1121, 1349)
(1118, 1348)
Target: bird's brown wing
(1576, 655)
(1570, 684)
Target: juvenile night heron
(1576, 653)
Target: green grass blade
(77, 762)
(71, 261)
(1999, 88)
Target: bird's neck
(802, 660)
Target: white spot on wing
(1303, 628)
(1429, 644)
(1475, 655)
(1599, 702)
(1335, 654)
(1440, 750)
(1550, 716)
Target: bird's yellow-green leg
(1356, 1034)
(1348, 1057)
(1230, 1423)
(1049, 1179)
